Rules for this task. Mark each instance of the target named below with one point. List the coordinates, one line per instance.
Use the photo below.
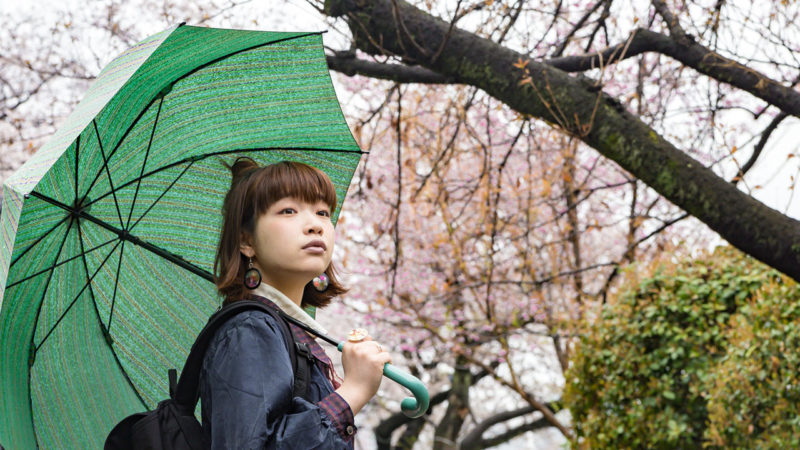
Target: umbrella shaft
(126, 236)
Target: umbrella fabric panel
(14, 364)
(76, 381)
(9, 221)
(185, 50)
(294, 105)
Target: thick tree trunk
(582, 109)
(457, 409)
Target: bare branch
(474, 439)
(400, 73)
(578, 26)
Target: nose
(313, 225)
(314, 229)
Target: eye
(287, 211)
(324, 213)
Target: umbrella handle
(412, 407)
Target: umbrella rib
(116, 283)
(77, 150)
(125, 235)
(106, 330)
(72, 303)
(108, 172)
(168, 87)
(44, 235)
(144, 161)
(222, 153)
(49, 277)
(161, 196)
(57, 265)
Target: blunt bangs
(291, 179)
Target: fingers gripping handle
(412, 406)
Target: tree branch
(539, 90)
(726, 70)
(512, 433)
(760, 146)
(383, 432)
(575, 28)
(640, 41)
(400, 73)
(474, 439)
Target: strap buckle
(303, 350)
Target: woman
(277, 229)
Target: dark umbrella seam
(77, 159)
(108, 173)
(144, 162)
(114, 295)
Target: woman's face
(292, 242)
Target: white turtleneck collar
(287, 305)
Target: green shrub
(699, 354)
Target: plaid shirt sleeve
(337, 409)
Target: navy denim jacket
(245, 389)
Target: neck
(287, 305)
(294, 291)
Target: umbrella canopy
(109, 231)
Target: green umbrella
(109, 231)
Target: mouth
(316, 245)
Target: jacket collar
(287, 306)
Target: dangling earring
(320, 283)
(252, 277)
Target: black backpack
(172, 425)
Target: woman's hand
(363, 370)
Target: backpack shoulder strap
(186, 393)
(302, 373)
(300, 355)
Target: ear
(246, 247)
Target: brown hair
(253, 190)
